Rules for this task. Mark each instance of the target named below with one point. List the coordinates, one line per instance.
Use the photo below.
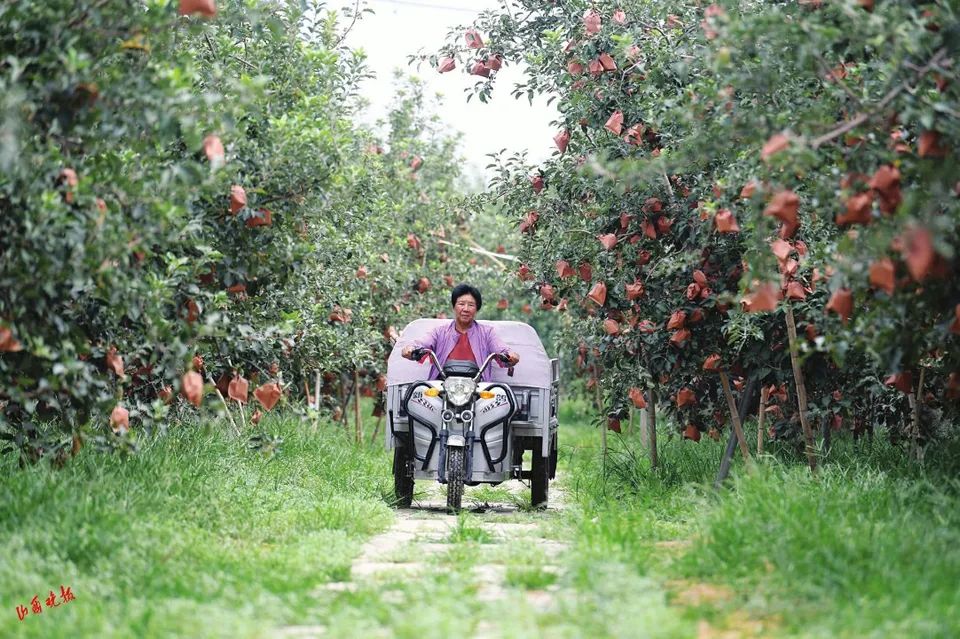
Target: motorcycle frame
(442, 436)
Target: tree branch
(346, 32)
(476, 248)
(860, 118)
(828, 73)
(206, 36)
(244, 62)
(647, 25)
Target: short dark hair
(465, 289)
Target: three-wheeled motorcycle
(461, 431)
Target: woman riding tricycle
(463, 421)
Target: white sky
(399, 28)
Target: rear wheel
(402, 482)
(454, 478)
(540, 480)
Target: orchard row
(738, 183)
(191, 209)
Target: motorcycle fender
(455, 440)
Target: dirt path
(511, 556)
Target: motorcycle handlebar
(503, 358)
(418, 353)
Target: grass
(530, 577)
(193, 536)
(878, 551)
(468, 529)
(867, 547)
(480, 497)
(198, 536)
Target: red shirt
(481, 336)
(462, 350)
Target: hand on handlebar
(509, 358)
(415, 354)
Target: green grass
(530, 577)
(468, 529)
(198, 536)
(484, 494)
(194, 536)
(868, 547)
(877, 549)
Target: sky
(398, 28)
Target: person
(463, 338)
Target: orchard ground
(197, 535)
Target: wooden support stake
(356, 406)
(746, 400)
(652, 428)
(316, 391)
(801, 390)
(376, 431)
(764, 397)
(630, 421)
(735, 417)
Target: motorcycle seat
(460, 368)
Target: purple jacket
(483, 341)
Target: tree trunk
(801, 390)
(356, 406)
(603, 421)
(915, 404)
(652, 428)
(826, 433)
(225, 407)
(345, 406)
(644, 420)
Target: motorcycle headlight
(459, 390)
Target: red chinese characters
(51, 601)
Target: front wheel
(454, 478)
(402, 481)
(540, 484)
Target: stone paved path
(423, 534)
